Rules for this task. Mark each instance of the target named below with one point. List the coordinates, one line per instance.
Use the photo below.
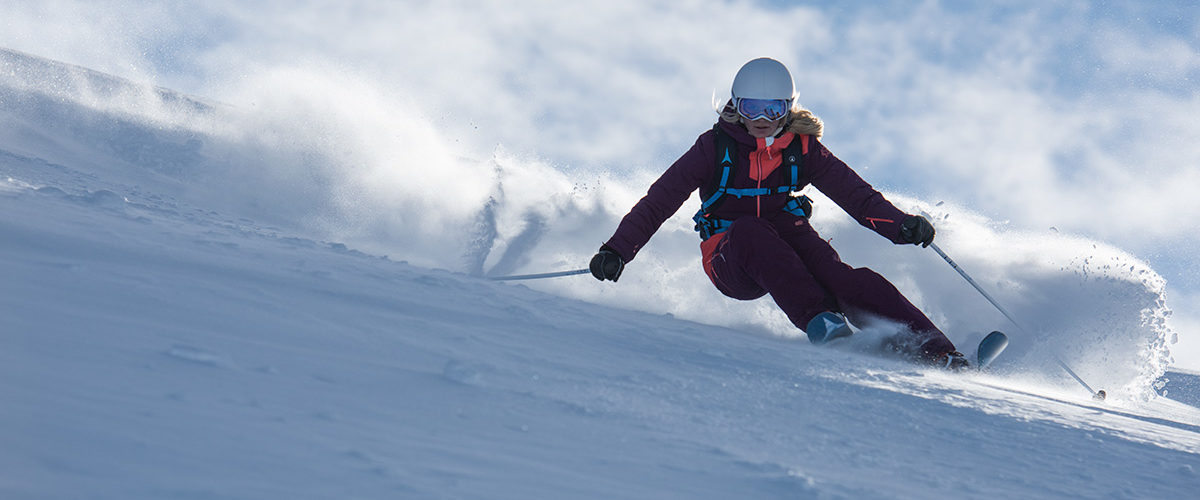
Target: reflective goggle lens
(771, 109)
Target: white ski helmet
(763, 78)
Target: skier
(756, 237)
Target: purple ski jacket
(757, 163)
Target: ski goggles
(771, 109)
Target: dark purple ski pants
(805, 276)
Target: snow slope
(181, 319)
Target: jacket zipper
(758, 199)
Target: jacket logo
(873, 220)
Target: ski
(989, 348)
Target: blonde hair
(799, 121)
(804, 122)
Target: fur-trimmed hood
(800, 121)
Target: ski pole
(539, 276)
(1095, 394)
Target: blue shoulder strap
(726, 161)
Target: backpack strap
(793, 159)
(726, 162)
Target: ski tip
(990, 347)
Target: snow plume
(1100, 309)
(359, 165)
(322, 154)
(364, 166)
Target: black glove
(607, 264)
(916, 230)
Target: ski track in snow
(158, 349)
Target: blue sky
(1074, 115)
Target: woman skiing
(756, 238)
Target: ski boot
(827, 326)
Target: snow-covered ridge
(185, 316)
